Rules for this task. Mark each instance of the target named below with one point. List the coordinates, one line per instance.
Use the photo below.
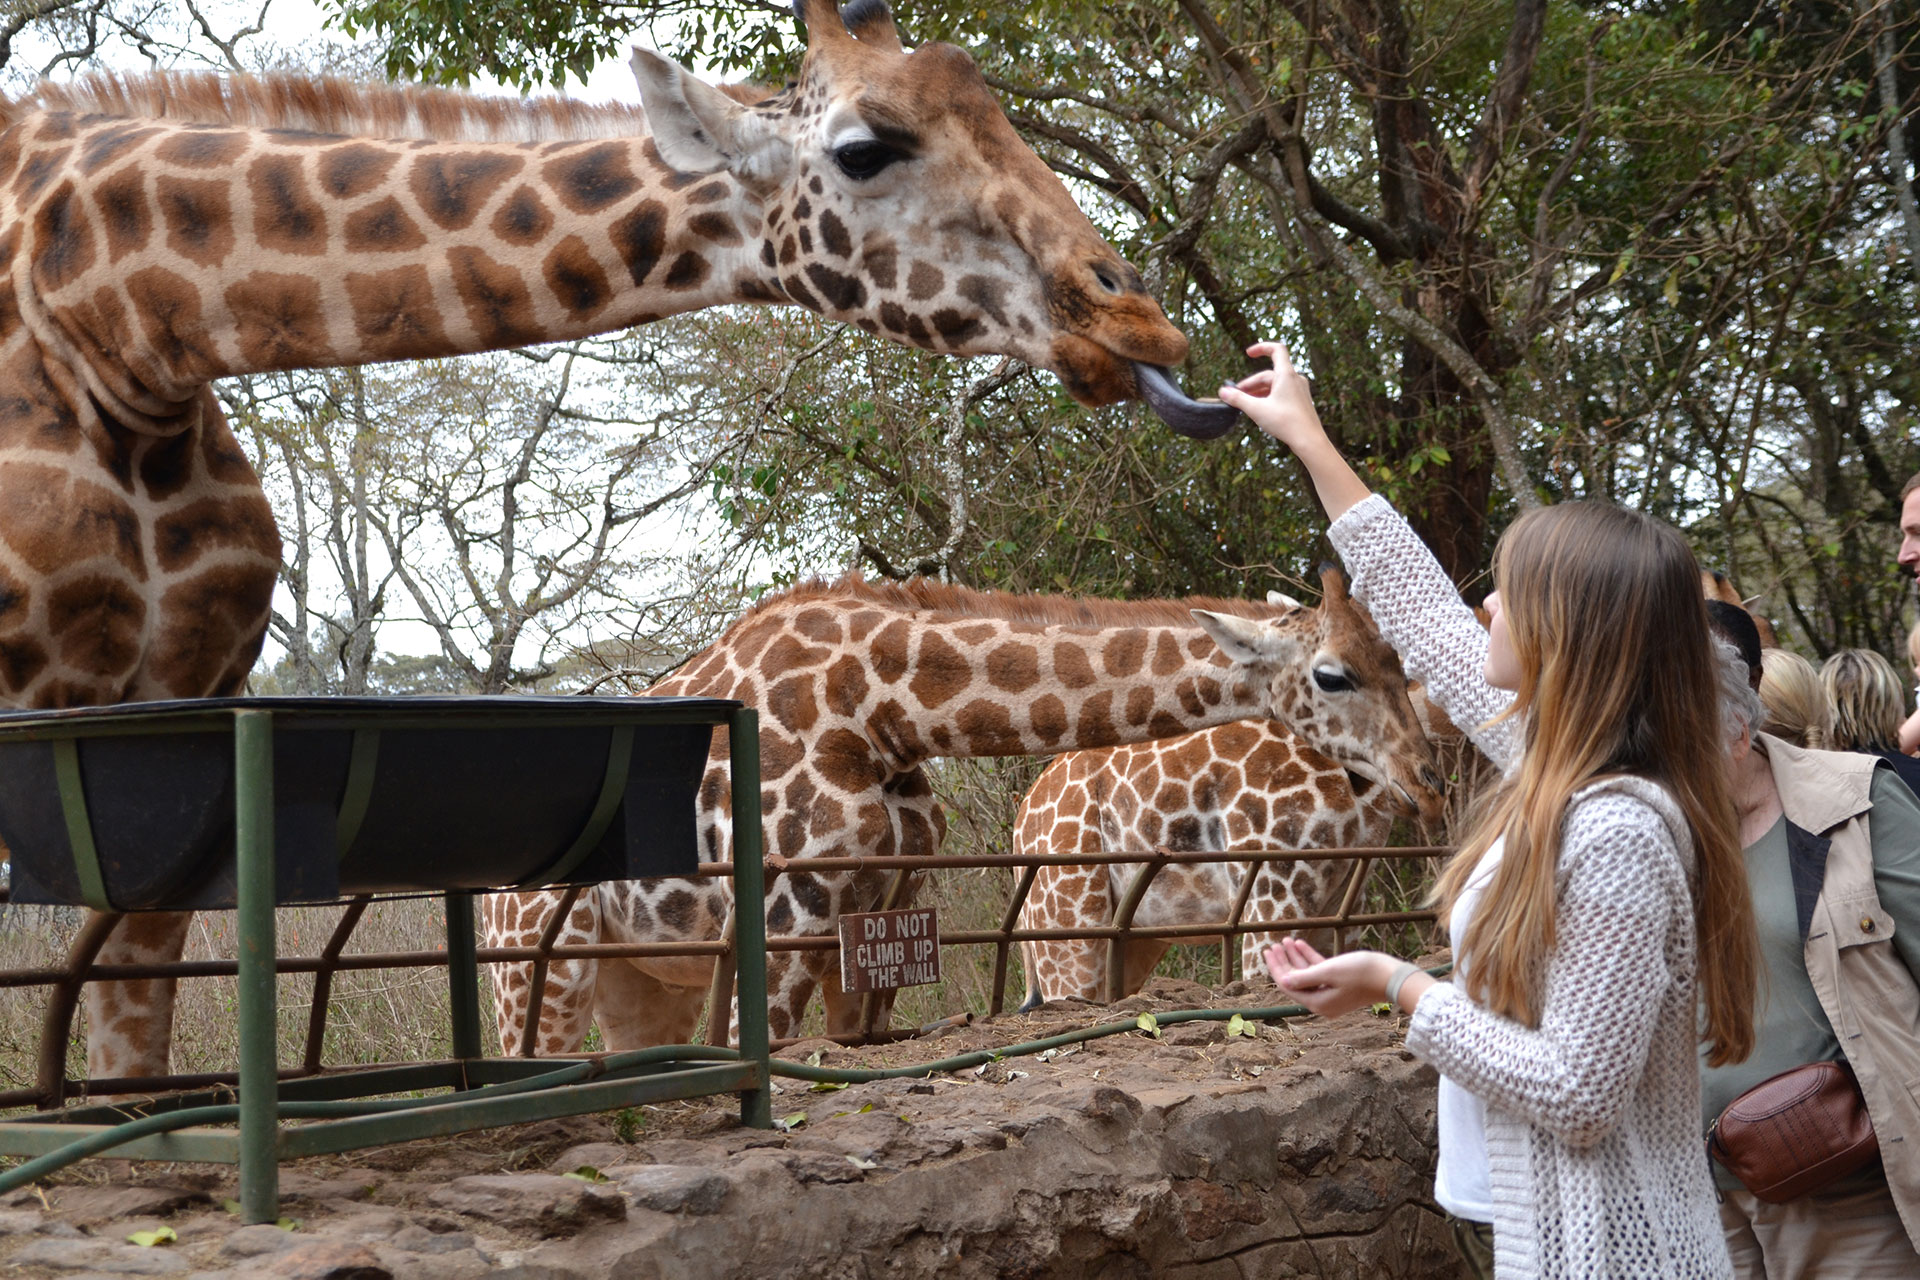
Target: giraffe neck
(165, 255)
(996, 688)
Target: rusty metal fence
(52, 1086)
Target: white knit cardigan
(1593, 1117)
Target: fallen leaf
(825, 1086)
(1149, 1024)
(787, 1124)
(586, 1173)
(148, 1239)
(858, 1163)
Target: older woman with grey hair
(1847, 956)
(1864, 697)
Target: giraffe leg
(130, 1024)
(636, 1010)
(1140, 957)
(1068, 898)
(566, 1004)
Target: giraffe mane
(331, 104)
(1044, 610)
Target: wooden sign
(884, 950)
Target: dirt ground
(1297, 1149)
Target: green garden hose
(228, 1113)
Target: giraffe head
(896, 196)
(1339, 686)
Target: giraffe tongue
(1201, 419)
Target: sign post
(886, 950)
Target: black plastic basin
(371, 795)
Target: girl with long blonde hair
(1600, 911)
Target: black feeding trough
(131, 807)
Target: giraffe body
(859, 685)
(1251, 784)
(158, 232)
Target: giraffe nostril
(1431, 779)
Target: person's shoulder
(1624, 808)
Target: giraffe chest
(131, 567)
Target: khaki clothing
(1851, 1231)
(1860, 960)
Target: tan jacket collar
(1819, 790)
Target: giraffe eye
(863, 159)
(1331, 681)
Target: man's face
(1910, 535)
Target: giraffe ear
(698, 129)
(1244, 640)
(1284, 600)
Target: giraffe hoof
(1200, 419)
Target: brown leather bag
(1795, 1133)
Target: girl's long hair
(1617, 676)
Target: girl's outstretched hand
(1279, 400)
(1330, 988)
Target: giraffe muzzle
(1200, 419)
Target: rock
(261, 1237)
(20, 1222)
(541, 1203)
(326, 1260)
(594, 1155)
(91, 1206)
(672, 1188)
(419, 1239)
(100, 1257)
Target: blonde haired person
(1832, 847)
(1864, 698)
(1910, 728)
(1606, 916)
(1795, 704)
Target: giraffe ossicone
(161, 231)
(859, 685)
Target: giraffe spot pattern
(925, 282)
(202, 149)
(591, 180)
(640, 238)
(575, 278)
(383, 227)
(451, 189)
(522, 218)
(1013, 667)
(394, 313)
(96, 623)
(124, 213)
(198, 218)
(103, 148)
(688, 271)
(62, 239)
(941, 673)
(350, 171)
(286, 217)
(280, 321)
(498, 305)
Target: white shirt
(1463, 1182)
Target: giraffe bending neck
(157, 233)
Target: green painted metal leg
(253, 840)
(750, 915)
(463, 977)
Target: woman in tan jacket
(1832, 843)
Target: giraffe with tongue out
(163, 231)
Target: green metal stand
(341, 1109)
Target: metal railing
(52, 1087)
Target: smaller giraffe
(1247, 784)
(859, 685)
